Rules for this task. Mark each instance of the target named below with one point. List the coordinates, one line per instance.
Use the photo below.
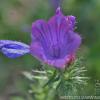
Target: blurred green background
(16, 17)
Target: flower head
(55, 42)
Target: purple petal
(37, 51)
(41, 34)
(60, 63)
(39, 30)
(73, 43)
(13, 49)
(58, 29)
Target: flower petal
(39, 30)
(60, 63)
(37, 51)
(41, 34)
(13, 49)
(58, 30)
(58, 26)
(73, 43)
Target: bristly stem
(56, 82)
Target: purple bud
(55, 3)
(13, 49)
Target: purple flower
(53, 42)
(13, 49)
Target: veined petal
(58, 28)
(13, 49)
(37, 51)
(73, 42)
(40, 33)
(39, 30)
